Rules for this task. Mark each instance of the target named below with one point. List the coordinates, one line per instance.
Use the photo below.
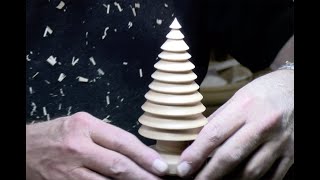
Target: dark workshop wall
(106, 43)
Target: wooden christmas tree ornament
(173, 110)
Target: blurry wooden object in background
(223, 79)
(221, 82)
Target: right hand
(81, 146)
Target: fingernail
(160, 166)
(183, 169)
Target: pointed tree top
(175, 24)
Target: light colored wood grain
(170, 66)
(173, 111)
(173, 99)
(174, 45)
(181, 88)
(174, 56)
(173, 123)
(175, 34)
(175, 24)
(169, 135)
(174, 77)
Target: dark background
(251, 31)
(78, 31)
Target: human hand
(82, 147)
(255, 126)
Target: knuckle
(229, 157)
(70, 146)
(118, 167)
(77, 121)
(122, 141)
(80, 117)
(117, 144)
(213, 134)
(215, 139)
(272, 122)
(73, 132)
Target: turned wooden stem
(172, 146)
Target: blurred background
(225, 76)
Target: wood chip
(44, 111)
(92, 61)
(108, 7)
(52, 60)
(60, 5)
(74, 61)
(100, 72)
(47, 31)
(159, 21)
(61, 77)
(82, 79)
(129, 24)
(118, 5)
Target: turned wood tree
(173, 109)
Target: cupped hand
(82, 147)
(256, 125)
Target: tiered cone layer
(173, 110)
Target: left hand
(256, 125)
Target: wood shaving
(60, 5)
(108, 7)
(129, 24)
(134, 11)
(105, 32)
(35, 75)
(30, 90)
(107, 100)
(61, 77)
(100, 72)
(61, 92)
(92, 61)
(74, 61)
(47, 31)
(118, 5)
(82, 79)
(52, 60)
(69, 110)
(44, 110)
(34, 108)
(159, 21)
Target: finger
(121, 141)
(221, 127)
(86, 174)
(282, 168)
(113, 164)
(231, 153)
(262, 161)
